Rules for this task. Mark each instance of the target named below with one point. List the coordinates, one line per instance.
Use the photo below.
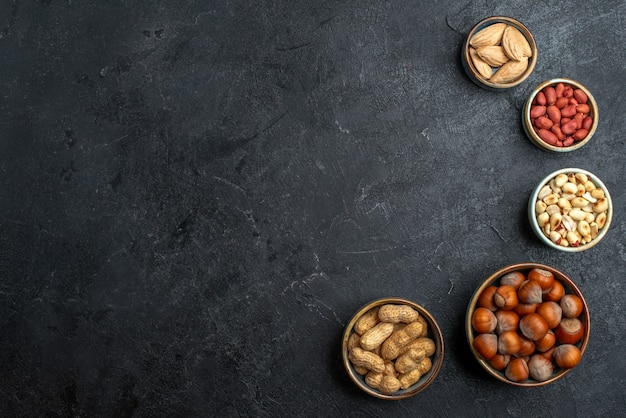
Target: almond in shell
(515, 44)
(481, 66)
(491, 35)
(510, 71)
(493, 55)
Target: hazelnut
(567, 356)
(486, 345)
(540, 368)
(533, 326)
(506, 297)
(572, 305)
(484, 320)
(517, 370)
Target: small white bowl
(532, 216)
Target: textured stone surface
(196, 196)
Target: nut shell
(517, 370)
(567, 356)
(533, 326)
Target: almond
(515, 44)
(510, 71)
(482, 67)
(491, 35)
(493, 55)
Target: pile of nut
(560, 115)
(571, 210)
(390, 347)
(526, 325)
(500, 53)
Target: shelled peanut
(390, 347)
(560, 115)
(526, 325)
(571, 210)
(500, 53)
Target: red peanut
(559, 90)
(541, 99)
(568, 141)
(547, 136)
(587, 122)
(580, 134)
(568, 111)
(583, 108)
(543, 123)
(550, 93)
(568, 92)
(556, 130)
(581, 96)
(536, 111)
(561, 102)
(579, 120)
(554, 113)
(570, 127)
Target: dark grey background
(197, 195)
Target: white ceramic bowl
(540, 233)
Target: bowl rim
(527, 124)
(469, 66)
(533, 219)
(434, 333)
(567, 282)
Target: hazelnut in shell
(517, 370)
(540, 368)
(486, 345)
(569, 331)
(545, 278)
(509, 343)
(567, 356)
(529, 292)
(533, 326)
(506, 297)
(514, 279)
(484, 320)
(551, 312)
(572, 305)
